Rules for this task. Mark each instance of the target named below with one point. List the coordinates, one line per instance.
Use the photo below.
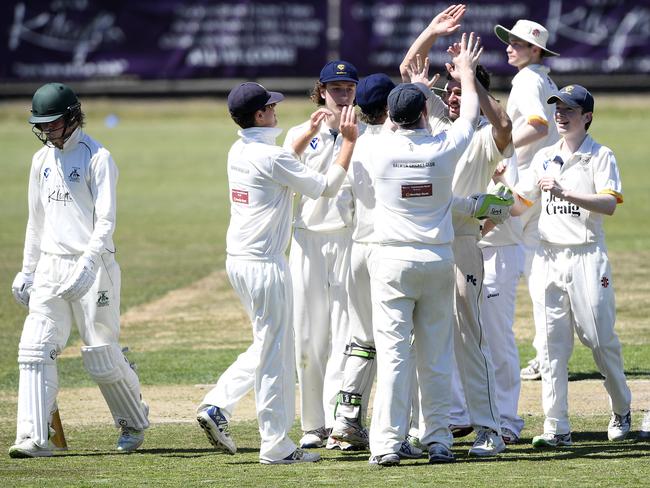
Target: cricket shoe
(390, 459)
(130, 438)
(350, 431)
(414, 441)
(409, 451)
(460, 430)
(550, 440)
(215, 425)
(531, 372)
(508, 436)
(439, 453)
(487, 443)
(333, 444)
(28, 449)
(313, 439)
(297, 456)
(619, 426)
(644, 432)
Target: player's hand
(21, 288)
(317, 117)
(82, 278)
(493, 207)
(448, 21)
(348, 126)
(418, 72)
(549, 183)
(468, 53)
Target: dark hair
(244, 120)
(588, 123)
(373, 114)
(482, 75)
(315, 95)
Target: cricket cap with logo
(249, 97)
(574, 96)
(406, 102)
(338, 71)
(373, 90)
(528, 31)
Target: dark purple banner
(161, 39)
(592, 36)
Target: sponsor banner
(591, 36)
(161, 39)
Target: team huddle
(411, 230)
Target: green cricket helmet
(52, 101)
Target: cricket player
(489, 145)
(411, 272)
(69, 274)
(532, 128)
(262, 178)
(319, 260)
(577, 181)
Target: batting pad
(37, 390)
(357, 380)
(118, 383)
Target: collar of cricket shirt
(260, 134)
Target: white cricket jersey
(262, 178)
(361, 179)
(413, 176)
(591, 169)
(531, 87)
(323, 214)
(474, 172)
(72, 201)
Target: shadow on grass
(595, 375)
(166, 452)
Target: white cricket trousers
(264, 288)
(411, 297)
(503, 266)
(575, 291)
(471, 348)
(97, 315)
(320, 263)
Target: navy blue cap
(249, 97)
(338, 71)
(405, 103)
(373, 90)
(574, 96)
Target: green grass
(172, 219)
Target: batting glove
(493, 207)
(82, 278)
(21, 288)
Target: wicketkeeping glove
(21, 288)
(82, 278)
(493, 207)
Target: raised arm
(445, 23)
(465, 61)
(300, 143)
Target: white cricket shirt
(72, 201)
(413, 176)
(262, 178)
(591, 169)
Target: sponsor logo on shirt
(557, 206)
(414, 191)
(74, 175)
(492, 295)
(240, 196)
(102, 298)
(314, 143)
(411, 164)
(471, 279)
(59, 195)
(604, 281)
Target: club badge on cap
(528, 31)
(338, 71)
(574, 96)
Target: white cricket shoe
(550, 440)
(644, 432)
(508, 436)
(409, 451)
(531, 372)
(28, 449)
(316, 438)
(214, 424)
(619, 426)
(350, 431)
(297, 456)
(390, 459)
(487, 443)
(130, 439)
(439, 453)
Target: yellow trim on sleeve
(536, 119)
(619, 197)
(525, 201)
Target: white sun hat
(528, 31)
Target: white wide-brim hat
(528, 31)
